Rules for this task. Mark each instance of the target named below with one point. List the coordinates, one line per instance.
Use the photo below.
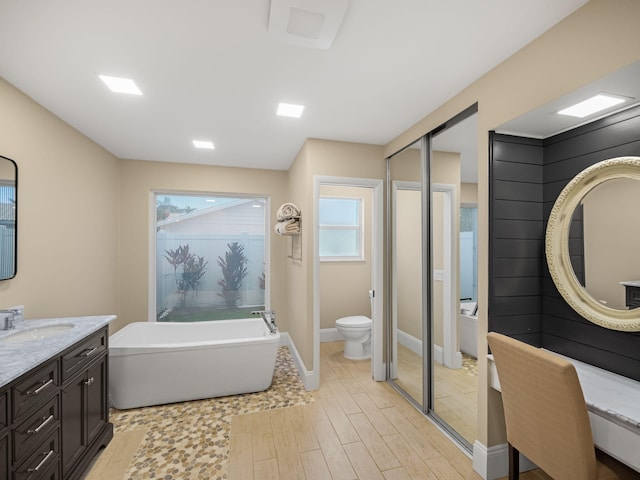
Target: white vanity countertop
(609, 394)
(20, 357)
(631, 283)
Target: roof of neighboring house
(179, 217)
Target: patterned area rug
(190, 440)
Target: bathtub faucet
(269, 317)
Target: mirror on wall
(8, 217)
(603, 241)
(590, 243)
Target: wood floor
(356, 429)
(456, 391)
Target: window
(340, 228)
(210, 260)
(469, 252)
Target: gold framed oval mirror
(598, 296)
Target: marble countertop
(609, 394)
(20, 357)
(631, 283)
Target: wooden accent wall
(524, 302)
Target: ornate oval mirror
(591, 243)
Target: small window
(340, 229)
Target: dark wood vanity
(632, 296)
(54, 418)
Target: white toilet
(356, 331)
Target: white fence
(209, 246)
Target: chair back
(545, 412)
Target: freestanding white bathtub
(468, 328)
(152, 363)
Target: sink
(37, 333)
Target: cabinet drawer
(79, 356)
(35, 389)
(44, 462)
(35, 429)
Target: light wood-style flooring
(356, 429)
(456, 392)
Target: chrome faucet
(269, 317)
(10, 318)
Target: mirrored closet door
(433, 274)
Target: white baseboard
(309, 379)
(409, 341)
(493, 462)
(415, 345)
(330, 335)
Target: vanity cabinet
(54, 418)
(632, 296)
(4, 434)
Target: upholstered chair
(546, 415)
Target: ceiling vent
(307, 23)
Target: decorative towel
(288, 227)
(287, 211)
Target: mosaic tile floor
(190, 440)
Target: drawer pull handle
(44, 460)
(88, 352)
(33, 431)
(41, 387)
(89, 382)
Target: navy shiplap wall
(516, 237)
(527, 175)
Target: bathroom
(96, 254)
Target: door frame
(378, 367)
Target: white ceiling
(210, 70)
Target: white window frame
(359, 228)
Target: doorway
(369, 293)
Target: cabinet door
(74, 432)
(4, 456)
(97, 412)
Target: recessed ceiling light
(211, 200)
(121, 85)
(206, 144)
(290, 110)
(591, 105)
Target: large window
(210, 257)
(340, 228)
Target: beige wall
(344, 286)
(408, 261)
(469, 193)
(595, 40)
(67, 214)
(326, 158)
(611, 235)
(138, 179)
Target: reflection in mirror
(8, 216)
(406, 281)
(603, 241)
(576, 195)
(455, 322)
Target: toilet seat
(356, 321)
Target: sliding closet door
(406, 333)
(428, 181)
